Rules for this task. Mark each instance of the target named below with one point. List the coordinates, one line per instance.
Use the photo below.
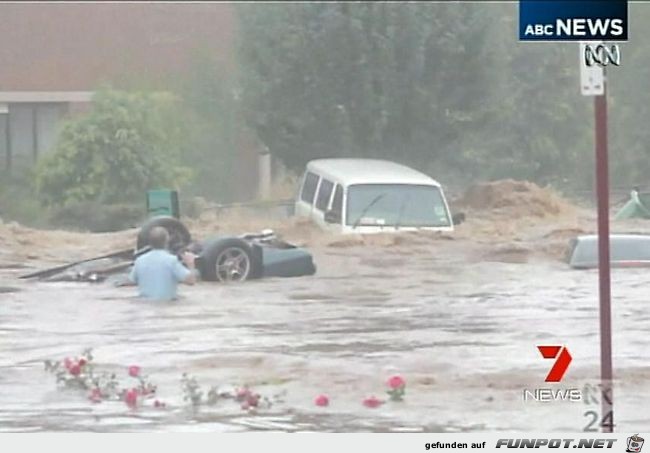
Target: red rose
(242, 394)
(396, 382)
(322, 401)
(82, 361)
(131, 397)
(253, 400)
(134, 371)
(372, 402)
(95, 395)
(75, 370)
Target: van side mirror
(457, 219)
(332, 217)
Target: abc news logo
(577, 28)
(601, 55)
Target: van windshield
(403, 205)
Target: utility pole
(604, 274)
(593, 83)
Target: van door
(305, 200)
(336, 210)
(322, 204)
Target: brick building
(53, 55)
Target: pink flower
(82, 361)
(372, 402)
(253, 400)
(67, 363)
(134, 371)
(242, 394)
(75, 369)
(249, 399)
(95, 395)
(131, 397)
(322, 401)
(396, 382)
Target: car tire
(179, 235)
(230, 259)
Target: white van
(371, 196)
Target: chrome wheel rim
(232, 265)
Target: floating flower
(396, 382)
(95, 395)
(75, 369)
(372, 402)
(242, 394)
(134, 371)
(322, 401)
(253, 400)
(67, 363)
(397, 388)
(82, 361)
(131, 397)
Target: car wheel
(179, 236)
(228, 260)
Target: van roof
(369, 171)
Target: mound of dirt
(518, 198)
(18, 242)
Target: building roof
(369, 171)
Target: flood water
(461, 328)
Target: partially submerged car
(223, 259)
(626, 250)
(371, 196)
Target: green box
(163, 202)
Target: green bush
(128, 143)
(97, 218)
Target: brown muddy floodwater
(458, 318)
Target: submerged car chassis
(223, 259)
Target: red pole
(602, 192)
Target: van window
(337, 203)
(309, 188)
(324, 194)
(396, 205)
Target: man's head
(158, 238)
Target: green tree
(629, 105)
(211, 115)
(445, 86)
(128, 143)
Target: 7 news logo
(563, 359)
(591, 395)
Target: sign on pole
(592, 78)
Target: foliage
(129, 143)
(18, 202)
(211, 115)
(629, 105)
(443, 86)
(96, 217)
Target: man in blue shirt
(158, 272)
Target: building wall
(75, 46)
(60, 48)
